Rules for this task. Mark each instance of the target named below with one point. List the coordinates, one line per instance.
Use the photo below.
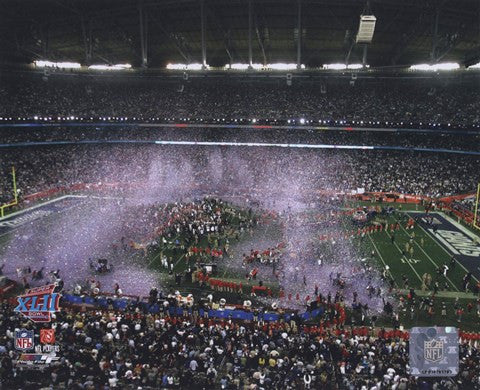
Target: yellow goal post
(14, 202)
(476, 219)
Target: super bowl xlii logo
(39, 303)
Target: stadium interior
(242, 194)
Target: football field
(407, 256)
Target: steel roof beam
(184, 52)
(202, 25)
(87, 40)
(225, 34)
(143, 34)
(250, 22)
(299, 37)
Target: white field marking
(396, 245)
(98, 197)
(445, 242)
(411, 261)
(441, 246)
(381, 258)
(426, 254)
(159, 253)
(379, 254)
(178, 261)
(155, 257)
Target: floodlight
(436, 67)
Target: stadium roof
(109, 31)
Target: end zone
(19, 218)
(453, 238)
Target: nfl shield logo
(433, 350)
(24, 340)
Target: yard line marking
(159, 253)
(426, 254)
(381, 258)
(379, 254)
(178, 261)
(396, 245)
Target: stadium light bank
(436, 67)
(339, 66)
(280, 66)
(61, 65)
(193, 66)
(110, 67)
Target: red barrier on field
(391, 197)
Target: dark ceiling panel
(52, 29)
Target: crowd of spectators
(387, 103)
(251, 169)
(130, 349)
(110, 349)
(377, 102)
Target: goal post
(14, 202)
(476, 219)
